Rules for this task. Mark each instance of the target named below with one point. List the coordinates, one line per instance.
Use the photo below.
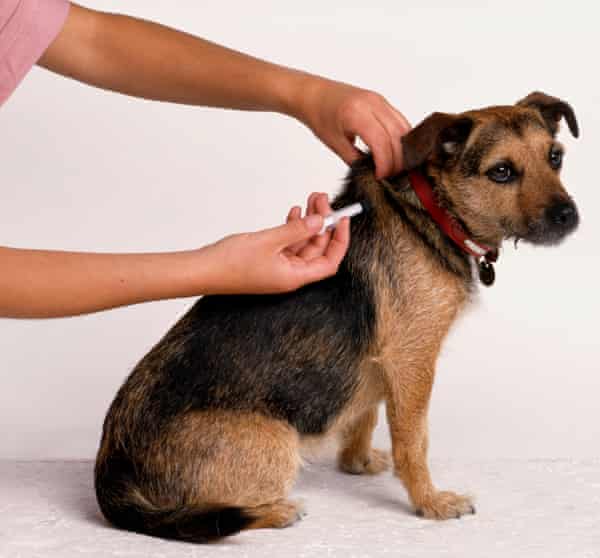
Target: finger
(377, 138)
(402, 120)
(310, 204)
(399, 127)
(326, 264)
(394, 134)
(310, 209)
(316, 245)
(294, 214)
(318, 268)
(339, 243)
(322, 206)
(295, 231)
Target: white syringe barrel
(333, 219)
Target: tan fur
(250, 461)
(409, 339)
(282, 513)
(400, 370)
(478, 204)
(356, 455)
(240, 459)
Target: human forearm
(45, 284)
(148, 60)
(145, 59)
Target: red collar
(446, 222)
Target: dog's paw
(374, 463)
(278, 515)
(445, 505)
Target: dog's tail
(185, 524)
(123, 504)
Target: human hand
(44, 284)
(337, 113)
(279, 259)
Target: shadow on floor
(68, 487)
(383, 491)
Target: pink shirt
(27, 27)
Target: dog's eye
(555, 157)
(502, 173)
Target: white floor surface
(525, 509)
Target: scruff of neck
(396, 214)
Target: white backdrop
(83, 169)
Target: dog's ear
(439, 136)
(552, 110)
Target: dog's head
(498, 168)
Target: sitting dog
(203, 438)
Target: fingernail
(314, 221)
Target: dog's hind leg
(232, 469)
(356, 455)
(281, 513)
(254, 466)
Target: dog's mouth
(556, 223)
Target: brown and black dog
(203, 438)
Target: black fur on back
(292, 356)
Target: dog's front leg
(407, 399)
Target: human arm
(45, 284)
(148, 60)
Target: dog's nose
(562, 215)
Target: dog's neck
(395, 201)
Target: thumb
(296, 230)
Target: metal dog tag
(487, 275)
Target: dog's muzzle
(562, 216)
(558, 220)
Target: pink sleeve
(27, 27)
